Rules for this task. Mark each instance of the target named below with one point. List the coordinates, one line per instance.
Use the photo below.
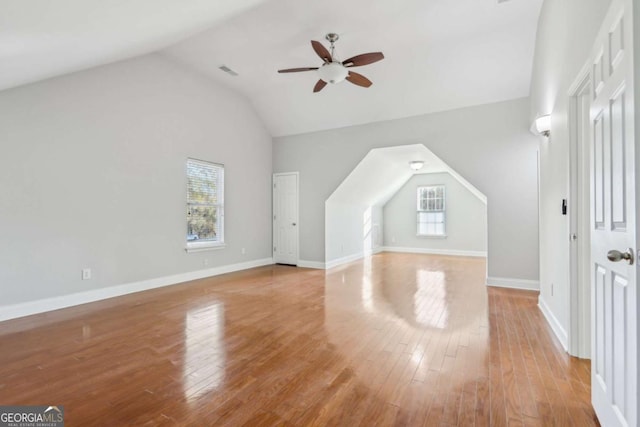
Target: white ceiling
(383, 171)
(44, 38)
(440, 54)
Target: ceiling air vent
(228, 70)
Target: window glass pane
(202, 223)
(205, 197)
(431, 228)
(202, 183)
(431, 210)
(422, 228)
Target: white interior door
(285, 218)
(614, 360)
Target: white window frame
(206, 245)
(443, 210)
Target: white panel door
(614, 329)
(285, 218)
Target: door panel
(614, 305)
(619, 347)
(618, 169)
(598, 176)
(599, 353)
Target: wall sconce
(416, 164)
(542, 125)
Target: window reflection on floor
(430, 299)
(204, 351)
(367, 239)
(367, 295)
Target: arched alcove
(355, 211)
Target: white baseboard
(345, 259)
(55, 303)
(336, 262)
(311, 264)
(552, 320)
(428, 251)
(507, 282)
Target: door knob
(617, 256)
(293, 223)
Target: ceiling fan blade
(297, 70)
(364, 59)
(319, 86)
(358, 79)
(321, 51)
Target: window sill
(431, 236)
(202, 247)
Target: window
(431, 211)
(205, 205)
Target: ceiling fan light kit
(334, 71)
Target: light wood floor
(401, 339)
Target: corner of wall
(554, 323)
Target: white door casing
(285, 218)
(579, 207)
(614, 303)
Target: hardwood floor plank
(397, 340)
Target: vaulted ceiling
(43, 38)
(440, 54)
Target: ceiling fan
(334, 71)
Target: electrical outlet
(393, 240)
(86, 273)
(205, 262)
(243, 251)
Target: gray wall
(92, 174)
(566, 32)
(466, 217)
(488, 145)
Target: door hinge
(274, 249)
(274, 217)
(274, 185)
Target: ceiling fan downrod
(332, 38)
